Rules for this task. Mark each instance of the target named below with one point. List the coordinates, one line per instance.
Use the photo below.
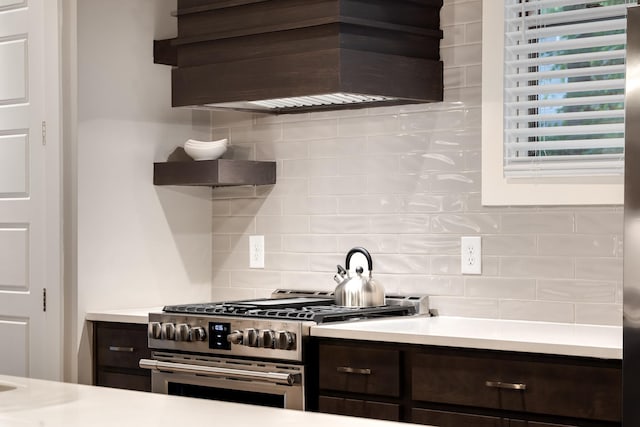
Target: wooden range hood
(285, 56)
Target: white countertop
(127, 315)
(510, 335)
(40, 403)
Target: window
(553, 101)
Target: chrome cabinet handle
(357, 371)
(121, 349)
(236, 374)
(506, 386)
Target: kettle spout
(340, 275)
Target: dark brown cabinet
(373, 372)
(451, 387)
(551, 386)
(118, 347)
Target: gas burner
(319, 310)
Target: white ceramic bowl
(202, 144)
(200, 150)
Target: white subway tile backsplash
(493, 287)
(255, 206)
(401, 264)
(290, 224)
(599, 314)
(321, 205)
(302, 168)
(500, 244)
(342, 185)
(576, 290)
(537, 267)
(462, 55)
(233, 225)
(347, 224)
(431, 244)
(310, 244)
(465, 223)
(464, 182)
(599, 222)
(599, 269)
(375, 243)
(312, 129)
(542, 311)
(273, 150)
(399, 224)
(369, 204)
(534, 222)
(465, 307)
(577, 245)
(473, 32)
(337, 147)
(404, 182)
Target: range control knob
(235, 337)
(285, 340)
(168, 331)
(198, 333)
(154, 330)
(250, 337)
(266, 338)
(183, 332)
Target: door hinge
(44, 299)
(44, 133)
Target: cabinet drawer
(125, 381)
(359, 408)
(457, 419)
(454, 419)
(572, 388)
(121, 345)
(359, 369)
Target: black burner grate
(319, 313)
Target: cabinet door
(359, 369)
(359, 408)
(118, 348)
(454, 419)
(552, 386)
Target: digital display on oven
(218, 333)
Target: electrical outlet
(256, 251)
(471, 255)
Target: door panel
(14, 263)
(13, 66)
(16, 332)
(13, 165)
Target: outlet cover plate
(256, 251)
(471, 255)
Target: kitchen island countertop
(55, 404)
(567, 339)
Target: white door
(30, 252)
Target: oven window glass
(227, 395)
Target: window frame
(497, 190)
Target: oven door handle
(183, 368)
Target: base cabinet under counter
(117, 350)
(451, 387)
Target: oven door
(232, 380)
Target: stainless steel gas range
(249, 351)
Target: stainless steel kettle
(358, 291)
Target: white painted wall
(137, 245)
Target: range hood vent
(287, 56)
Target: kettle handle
(364, 252)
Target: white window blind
(564, 87)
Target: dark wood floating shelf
(214, 173)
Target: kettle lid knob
(359, 270)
